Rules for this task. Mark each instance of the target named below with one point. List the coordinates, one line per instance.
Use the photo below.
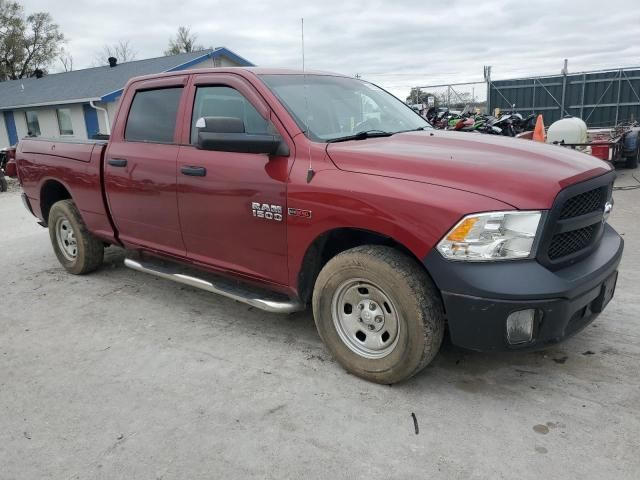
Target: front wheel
(78, 251)
(378, 313)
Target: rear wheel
(3, 183)
(78, 251)
(378, 313)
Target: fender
(412, 214)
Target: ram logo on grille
(607, 210)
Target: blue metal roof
(99, 83)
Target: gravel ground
(119, 375)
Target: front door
(140, 166)
(232, 205)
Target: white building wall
(4, 136)
(225, 62)
(21, 123)
(77, 121)
(214, 62)
(112, 109)
(48, 121)
(207, 63)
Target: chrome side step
(216, 284)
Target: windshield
(327, 107)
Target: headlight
(491, 236)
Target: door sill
(236, 290)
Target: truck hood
(522, 173)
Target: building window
(64, 121)
(33, 126)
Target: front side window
(222, 101)
(152, 117)
(33, 126)
(64, 121)
(330, 107)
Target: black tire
(632, 161)
(3, 183)
(89, 251)
(415, 301)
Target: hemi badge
(298, 212)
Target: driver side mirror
(227, 134)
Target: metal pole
(302, 35)
(533, 98)
(618, 99)
(564, 88)
(487, 78)
(584, 85)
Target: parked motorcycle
(509, 124)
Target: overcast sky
(397, 44)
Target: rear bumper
(478, 297)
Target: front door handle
(117, 162)
(194, 171)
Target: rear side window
(152, 117)
(220, 101)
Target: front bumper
(478, 297)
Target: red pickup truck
(282, 189)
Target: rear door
(233, 213)
(140, 165)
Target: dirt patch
(542, 429)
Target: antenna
(310, 171)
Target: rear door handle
(194, 171)
(117, 162)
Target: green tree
(27, 43)
(184, 41)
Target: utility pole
(565, 71)
(487, 78)
(302, 34)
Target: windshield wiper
(419, 129)
(361, 136)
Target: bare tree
(184, 41)
(66, 59)
(122, 50)
(26, 44)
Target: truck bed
(46, 165)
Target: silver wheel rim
(365, 318)
(66, 239)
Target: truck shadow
(469, 371)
